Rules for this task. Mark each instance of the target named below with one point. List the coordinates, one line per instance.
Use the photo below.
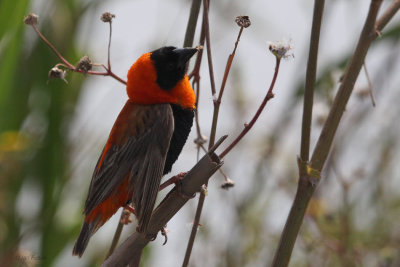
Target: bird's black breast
(183, 119)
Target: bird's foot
(130, 209)
(164, 232)
(126, 216)
(173, 180)
(153, 237)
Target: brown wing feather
(138, 144)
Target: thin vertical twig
(370, 86)
(195, 74)
(109, 48)
(205, 27)
(116, 236)
(208, 43)
(217, 101)
(192, 23)
(311, 75)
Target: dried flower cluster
(31, 19)
(107, 17)
(228, 184)
(243, 21)
(85, 64)
(58, 73)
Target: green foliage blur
(35, 113)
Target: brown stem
(310, 80)
(200, 138)
(370, 86)
(69, 65)
(194, 230)
(204, 36)
(217, 102)
(196, 85)
(387, 16)
(248, 126)
(117, 235)
(208, 42)
(109, 47)
(192, 23)
(228, 67)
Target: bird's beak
(185, 54)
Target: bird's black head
(171, 64)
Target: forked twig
(248, 126)
(30, 20)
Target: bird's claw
(164, 233)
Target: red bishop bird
(145, 141)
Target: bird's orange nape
(142, 87)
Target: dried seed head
(107, 17)
(243, 21)
(228, 184)
(280, 49)
(58, 73)
(31, 19)
(84, 64)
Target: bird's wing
(136, 149)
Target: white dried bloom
(281, 49)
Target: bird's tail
(83, 239)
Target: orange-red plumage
(110, 205)
(142, 87)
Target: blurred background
(52, 132)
